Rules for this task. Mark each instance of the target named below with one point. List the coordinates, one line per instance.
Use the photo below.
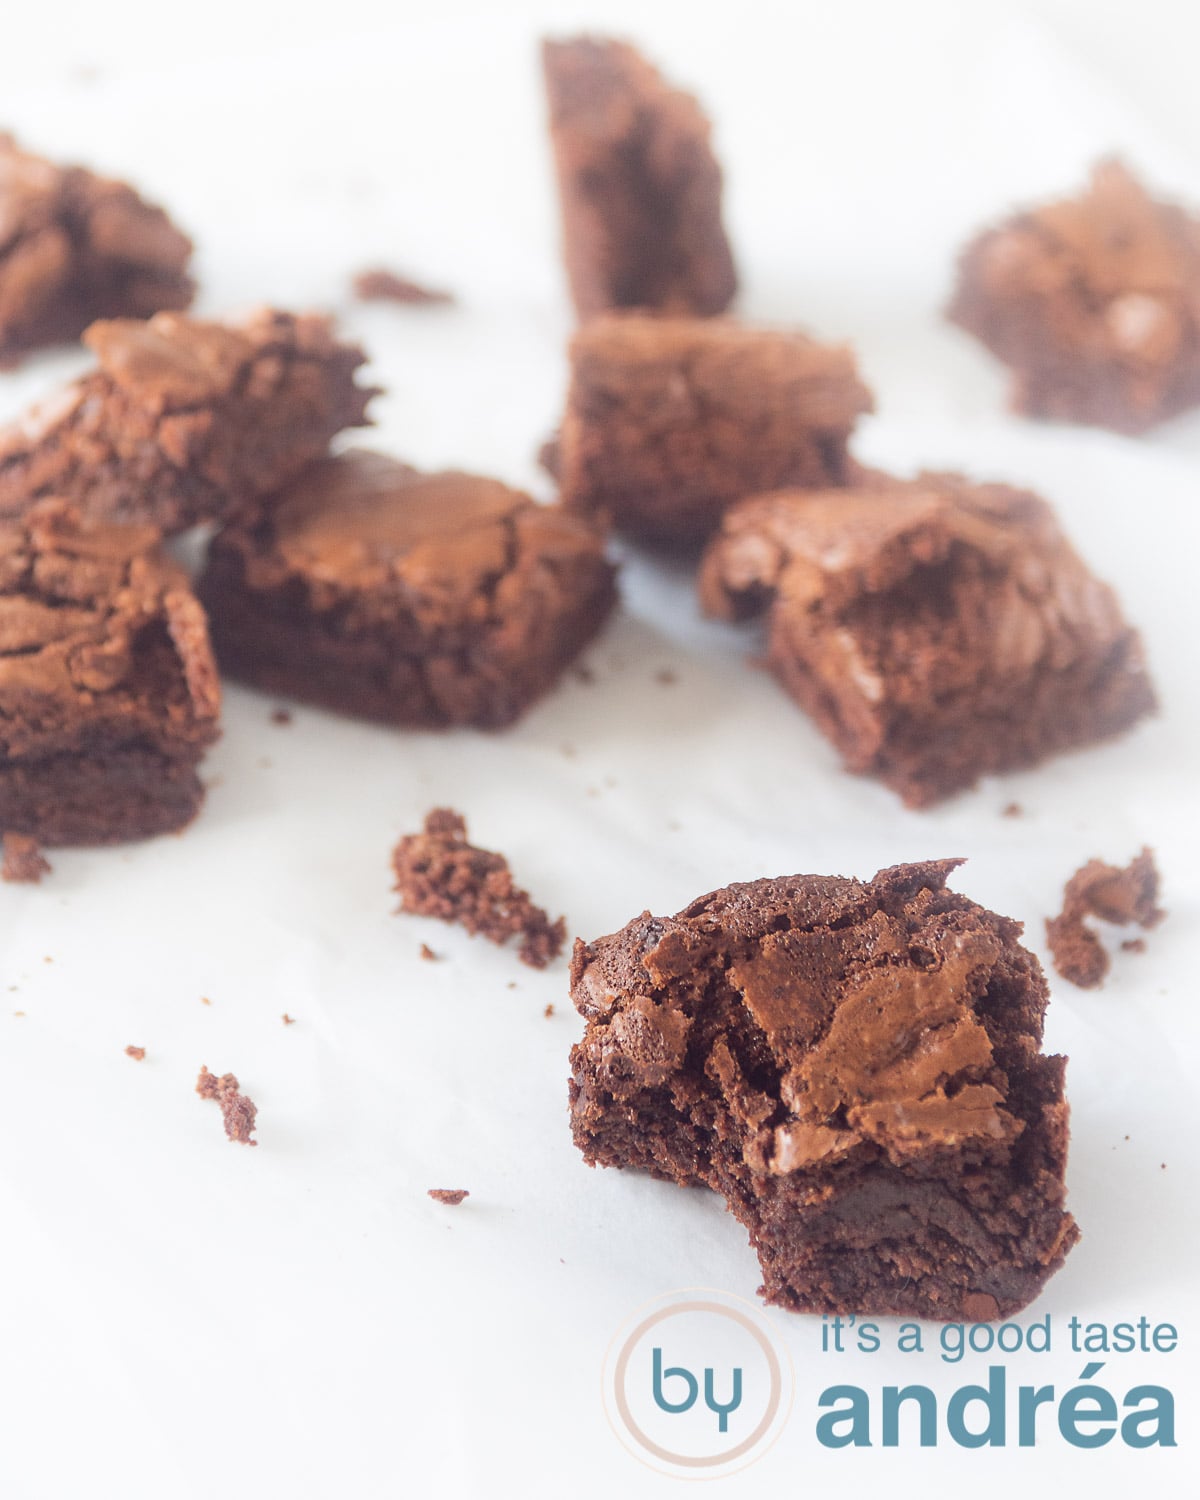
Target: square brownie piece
(936, 630)
(1094, 303)
(639, 187)
(108, 690)
(670, 420)
(856, 1068)
(182, 420)
(416, 599)
(75, 247)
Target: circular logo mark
(695, 1386)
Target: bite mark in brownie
(427, 600)
(1093, 302)
(182, 420)
(937, 630)
(669, 421)
(381, 285)
(856, 1067)
(23, 860)
(237, 1110)
(108, 689)
(439, 874)
(450, 1196)
(639, 186)
(75, 247)
(1111, 894)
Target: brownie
(182, 420)
(1094, 303)
(670, 420)
(856, 1068)
(75, 247)
(936, 630)
(108, 690)
(416, 599)
(439, 874)
(1112, 894)
(639, 187)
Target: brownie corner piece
(425, 600)
(75, 247)
(669, 421)
(639, 186)
(1093, 302)
(936, 630)
(856, 1068)
(108, 690)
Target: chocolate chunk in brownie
(1094, 303)
(450, 1196)
(439, 874)
(639, 186)
(182, 420)
(75, 247)
(238, 1111)
(108, 690)
(23, 861)
(417, 599)
(671, 420)
(936, 630)
(856, 1067)
(382, 285)
(1112, 894)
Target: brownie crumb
(548, 1012)
(1112, 894)
(281, 716)
(288, 1020)
(666, 677)
(23, 861)
(381, 285)
(439, 874)
(137, 1053)
(428, 954)
(1134, 945)
(1013, 810)
(451, 1196)
(204, 1000)
(239, 1111)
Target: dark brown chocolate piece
(937, 631)
(181, 421)
(639, 187)
(669, 421)
(75, 247)
(450, 1196)
(382, 285)
(237, 1110)
(416, 599)
(23, 861)
(856, 1067)
(1094, 303)
(439, 874)
(108, 689)
(1112, 894)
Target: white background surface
(177, 1313)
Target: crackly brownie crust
(108, 690)
(75, 247)
(937, 630)
(856, 1067)
(639, 186)
(670, 420)
(182, 419)
(417, 599)
(1094, 302)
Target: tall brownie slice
(182, 420)
(639, 187)
(418, 599)
(108, 689)
(856, 1068)
(1093, 302)
(75, 247)
(936, 630)
(670, 420)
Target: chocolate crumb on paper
(1112, 894)
(548, 1012)
(378, 284)
(239, 1112)
(288, 1020)
(1012, 810)
(451, 1196)
(137, 1053)
(428, 954)
(281, 716)
(23, 860)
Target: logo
(695, 1386)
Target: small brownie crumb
(548, 1012)
(452, 1196)
(428, 954)
(1013, 810)
(288, 1020)
(381, 285)
(1113, 895)
(439, 874)
(23, 860)
(137, 1053)
(281, 716)
(239, 1112)
(1134, 945)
